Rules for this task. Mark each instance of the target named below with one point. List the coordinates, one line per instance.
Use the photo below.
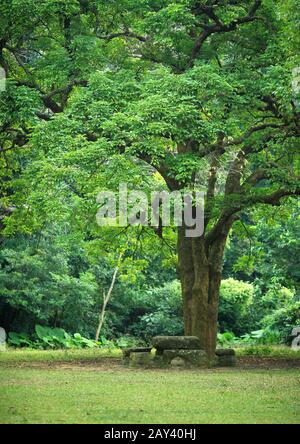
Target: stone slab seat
(139, 359)
(176, 343)
(184, 357)
(225, 357)
(225, 352)
(127, 351)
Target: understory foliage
(45, 338)
(64, 292)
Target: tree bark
(200, 270)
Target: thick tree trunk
(200, 269)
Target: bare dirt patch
(255, 362)
(116, 364)
(103, 365)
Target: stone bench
(225, 357)
(2, 339)
(178, 351)
(137, 356)
(176, 343)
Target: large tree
(202, 91)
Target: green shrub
(20, 340)
(226, 339)
(277, 352)
(235, 300)
(160, 323)
(265, 336)
(128, 341)
(57, 338)
(283, 321)
(50, 338)
(162, 312)
(277, 297)
(258, 351)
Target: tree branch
(275, 197)
(220, 27)
(230, 215)
(221, 146)
(256, 177)
(127, 34)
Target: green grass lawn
(83, 386)
(26, 355)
